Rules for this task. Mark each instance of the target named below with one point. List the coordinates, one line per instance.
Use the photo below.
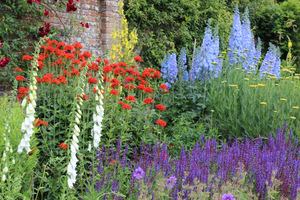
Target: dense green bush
(167, 26)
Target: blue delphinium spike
(271, 63)
(235, 40)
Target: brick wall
(101, 15)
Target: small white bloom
(30, 96)
(78, 106)
(3, 177)
(96, 98)
(24, 102)
(79, 111)
(76, 128)
(5, 169)
(89, 147)
(13, 161)
(75, 139)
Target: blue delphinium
(164, 66)
(271, 63)
(169, 68)
(236, 39)
(206, 57)
(182, 60)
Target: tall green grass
(245, 104)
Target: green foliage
(167, 26)
(17, 32)
(20, 174)
(245, 104)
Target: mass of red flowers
(126, 106)
(131, 98)
(20, 78)
(40, 122)
(138, 58)
(161, 122)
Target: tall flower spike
(271, 63)
(98, 117)
(236, 39)
(27, 126)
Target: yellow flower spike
(237, 68)
(284, 70)
(121, 87)
(273, 77)
(246, 79)
(249, 72)
(296, 107)
(261, 85)
(263, 103)
(282, 99)
(288, 78)
(293, 117)
(214, 63)
(233, 85)
(253, 86)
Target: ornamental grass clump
(250, 169)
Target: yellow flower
(263, 103)
(121, 87)
(282, 99)
(273, 77)
(224, 82)
(237, 68)
(293, 117)
(284, 70)
(290, 44)
(253, 85)
(233, 85)
(249, 72)
(275, 111)
(288, 77)
(246, 79)
(261, 85)
(296, 107)
(214, 63)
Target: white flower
(13, 161)
(89, 147)
(77, 120)
(75, 139)
(3, 177)
(5, 169)
(24, 102)
(76, 129)
(30, 109)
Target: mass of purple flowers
(260, 158)
(228, 197)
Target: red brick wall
(100, 15)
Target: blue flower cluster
(169, 69)
(259, 159)
(271, 63)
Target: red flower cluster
(92, 80)
(160, 107)
(148, 100)
(130, 98)
(71, 6)
(114, 92)
(161, 122)
(17, 69)
(44, 30)
(20, 78)
(138, 58)
(4, 61)
(40, 122)
(22, 92)
(126, 106)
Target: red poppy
(77, 45)
(141, 87)
(163, 87)
(161, 122)
(106, 62)
(63, 145)
(47, 78)
(120, 102)
(115, 82)
(69, 56)
(126, 106)
(75, 62)
(114, 92)
(138, 58)
(107, 69)
(157, 74)
(87, 54)
(160, 107)
(148, 100)
(20, 78)
(122, 64)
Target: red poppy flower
(115, 82)
(122, 64)
(92, 80)
(157, 74)
(69, 56)
(148, 90)
(148, 100)
(20, 78)
(131, 98)
(106, 62)
(160, 107)
(68, 47)
(94, 66)
(114, 92)
(120, 102)
(63, 145)
(87, 54)
(75, 62)
(161, 122)
(138, 58)
(126, 106)
(47, 78)
(107, 69)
